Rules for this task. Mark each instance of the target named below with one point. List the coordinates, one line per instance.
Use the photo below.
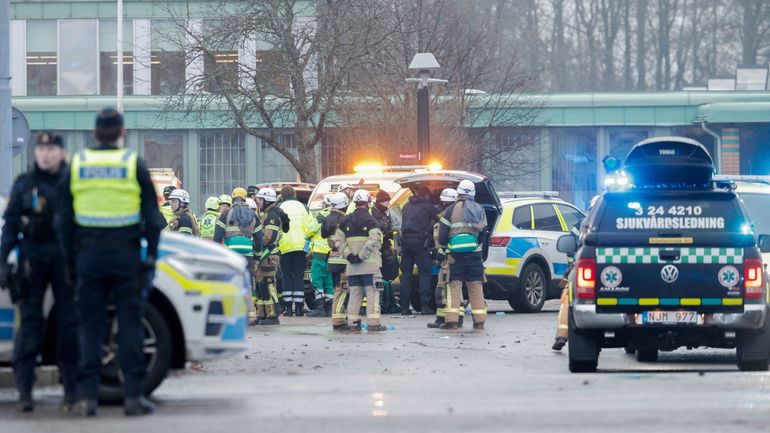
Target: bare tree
(298, 54)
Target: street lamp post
(423, 63)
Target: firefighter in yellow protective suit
(336, 264)
(460, 227)
(448, 196)
(273, 224)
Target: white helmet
(362, 195)
(448, 195)
(268, 194)
(251, 203)
(212, 203)
(466, 187)
(343, 187)
(338, 200)
(180, 195)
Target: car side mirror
(568, 244)
(764, 243)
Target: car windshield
(757, 205)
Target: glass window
(522, 218)
(573, 164)
(545, 218)
(269, 72)
(275, 167)
(220, 65)
(108, 57)
(77, 57)
(42, 57)
(165, 150)
(572, 216)
(222, 161)
(622, 140)
(754, 149)
(167, 58)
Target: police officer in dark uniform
(29, 226)
(108, 205)
(419, 215)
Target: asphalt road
(301, 377)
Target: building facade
(64, 60)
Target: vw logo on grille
(669, 273)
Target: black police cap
(109, 118)
(51, 138)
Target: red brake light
(499, 241)
(586, 278)
(752, 277)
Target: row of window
(542, 216)
(82, 64)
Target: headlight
(197, 269)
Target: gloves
(353, 259)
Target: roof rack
(522, 194)
(744, 178)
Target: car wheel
(532, 290)
(157, 350)
(646, 355)
(583, 349)
(753, 349)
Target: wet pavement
(302, 377)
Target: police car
(197, 311)
(523, 266)
(669, 262)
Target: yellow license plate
(680, 241)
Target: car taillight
(586, 278)
(499, 241)
(752, 277)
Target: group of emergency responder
(90, 230)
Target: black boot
(68, 402)
(559, 343)
(287, 310)
(138, 406)
(299, 309)
(86, 407)
(460, 321)
(328, 308)
(269, 321)
(319, 309)
(26, 404)
(437, 323)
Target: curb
(46, 376)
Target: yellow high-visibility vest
(104, 188)
(299, 218)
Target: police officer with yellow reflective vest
(273, 225)
(336, 264)
(210, 217)
(359, 240)
(292, 247)
(237, 229)
(165, 207)
(460, 229)
(448, 196)
(320, 277)
(107, 207)
(183, 221)
(28, 225)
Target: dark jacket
(386, 225)
(30, 212)
(335, 218)
(419, 215)
(74, 237)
